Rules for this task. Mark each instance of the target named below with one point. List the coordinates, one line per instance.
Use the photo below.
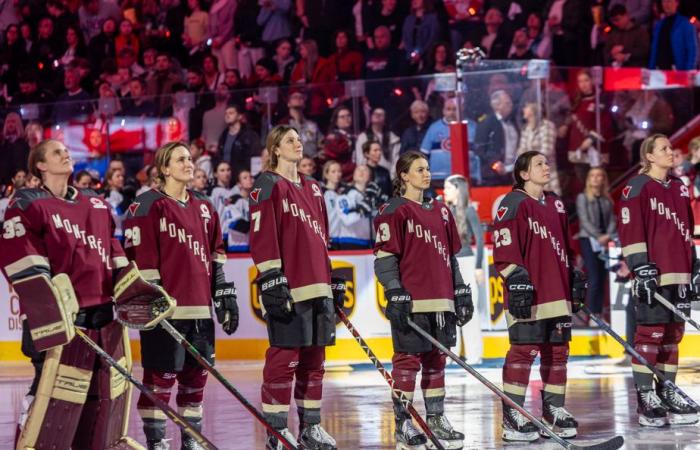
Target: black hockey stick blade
(610, 444)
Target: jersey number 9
(625, 215)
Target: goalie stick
(167, 409)
(389, 379)
(611, 444)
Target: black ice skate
(651, 410)
(559, 420)
(408, 437)
(275, 444)
(189, 443)
(679, 411)
(314, 437)
(442, 429)
(516, 427)
(161, 444)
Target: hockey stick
(629, 349)
(167, 326)
(611, 444)
(675, 310)
(167, 409)
(389, 379)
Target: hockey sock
(190, 393)
(647, 339)
(516, 370)
(433, 381)
(553, 358)
(404, 371)
(278, 376)
(153, 418)
(667, 360)
(309, 384)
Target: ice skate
(162, 444)
(559, 420)
(679, 411)
(273, 443)
(442, 429)
(516, 427)
(314, 437)
(651, 410)
(408, 437)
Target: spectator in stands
(317, 74)
(597, 228)
(338, 144)
(29, 92)
(162, 84)
(247, 33)
(307, 166)
(520, 49)
(569, 22)
(34, 133)
(93, 13)
(385, 14)
(311, 137)
(196, 26)
(126, 38)
(235, 221)
(14, 150)
(419, 33)
(495, 40)
(439, 59)
(467, 219)
(114, 108)
(496, 141)
(412, 137)
(75, 47)
(200, 182)
(9, 13)
(223, 44)
(200, 157)
(238, 143)
(27, 36)
(33, 182)
(137, 104)
(213, 123)
(372, 152)
(82, 179)
(101, 47)
(674, 44)
(284, 58)
(321, 18)
(540, 42)
(46, 49)
(437, 137)
(383, 61)
(540, 134)
(114, 195)
(333, 190)
(346, 60)
(221, 191)
(379, 131)
(642, 113)
(640, 11)
(627, 45)
(355, 213)
(74, 103)
(210, 69)
(275, 21)
(12, 52)
(265, 74)
(202, 100)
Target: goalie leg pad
(61, 394)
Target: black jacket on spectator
(412, 137)
(380, 64)
(146, 108)
(246, 144)
(203, 102)
(325, 17)
(489, 146)
(245, 23)
(14, 156)
(72, 107)
(382, 177)
(100, 48)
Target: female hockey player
(416, 244)
(53, 231)
(532, 254)
(170, 231)
(288, 243)
(656, 227)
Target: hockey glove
(398, 308)
(579, 287)
(695, 281)
(464, 307)
(338, 287)
(521, 296)
(140, 304)
(644, 283)
(276, 297)
(226, 307)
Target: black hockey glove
(695, 281)
(644, 283)
(521, 296)
(579, 287)
(464, 307)
(226, 307)
(338, 287)
(276, 297)
(398, 308)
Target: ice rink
(357, 409)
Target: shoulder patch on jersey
(392, 205)
(508, 207)
(558, 203)
(263, 187)
(142, 204)
(25, 197)
(634, 186)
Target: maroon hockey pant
(658, 343)
(432, 367)
(281, 366)
(516, 371)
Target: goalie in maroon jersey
(60, 254)
(289, 245)
(416, 244)
(169, 232)
(532, 255)
(656, 227)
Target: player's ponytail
(646, 148)
(403, 165)
(522, 164)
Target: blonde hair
(274, 138)
(37, 155)
(604, 189)
(327, 167)
(646, 148)
(693, 145)
(162, 158)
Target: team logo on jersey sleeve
(317, 190)
(382, 208)
(501, 212)
(255, 194)
(204, 210)
(560, 206)
(626, 191)
(133, 207)
(445, 214)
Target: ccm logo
(683, 305)
(272, 283)
(561, 325)
(227, 291)
(648, 272)
(521, 287)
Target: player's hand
(521, 296)
(226, 307)
(338, 287)
(275, 293)
(464, 307)
(644, 283)
(695, 281)
(398, 308)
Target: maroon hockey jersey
(175, 244)
(423, 237)
(531, 238)
(289, 231)
(655, 223)
(72, 235)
